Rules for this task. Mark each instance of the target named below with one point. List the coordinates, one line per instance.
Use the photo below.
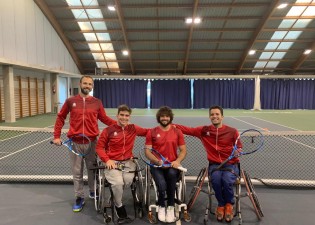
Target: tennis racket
(120, 165)
(80, 139)
(251, 140)
(165, 162)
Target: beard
(85, 91)
(164, 124)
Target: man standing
(218, 141)
(85, 111)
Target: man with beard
(114, 148)
(166, 139)
(218, 141)
(85, 111)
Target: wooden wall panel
(2, 115)
(33, 96)
(25, 97)
(17, 101)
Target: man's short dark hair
(164, 111)
(216, 107)
(86, 76)
(124, 107)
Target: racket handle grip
(182, 169)
(51, 142)
(223, 163)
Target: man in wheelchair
(218, 140)
(114, 148)
(165, 140)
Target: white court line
(298, 142)
(276, 124)
(13, 153)
(15, 136)
(246, 122)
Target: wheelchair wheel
(138, 192)
(197, 188)
(183, 188)
(147, 190)
(252, 194)
(98, 189)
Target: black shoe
(121, 212)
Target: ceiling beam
(184, 51)
(123, 28)
(194, 14)
(141, 19)
(53, 21)
(185, 30)
(259, 28)
(139, 6)
(196, 41)
(302, 59)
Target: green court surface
(303, 120)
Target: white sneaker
(170, 214)
(161, 214)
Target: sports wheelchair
(151, 197)
(210, 209)
(103, 200)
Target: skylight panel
(103, 36)
(293, 34)
(90, 36)
(113, 65)
(287, 23)
(261, 64)
(107, 47)
(279, 35)
(301, 23)
(94, 47)
(265, 55)
(99, 25)
(98, 56)
(272, 45)
(74, 2)
(296, 11)
(101, 65)
(278, 55)
(79, 14)
(285, 45)
(310, 11)
(89, 2)
(85, 25)
(110, 56)
(94, 13)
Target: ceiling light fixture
(190, 20)
(125, 52)
(282, 6)
(252, 52)
(307, 51)
(111, 8)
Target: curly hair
(164, 111)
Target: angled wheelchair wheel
(197, 187)
(138, 192)
(98, 188)
(183, 188)
(252, 194)
(148, 184)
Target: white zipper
(83, 116)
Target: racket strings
(251, 142)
